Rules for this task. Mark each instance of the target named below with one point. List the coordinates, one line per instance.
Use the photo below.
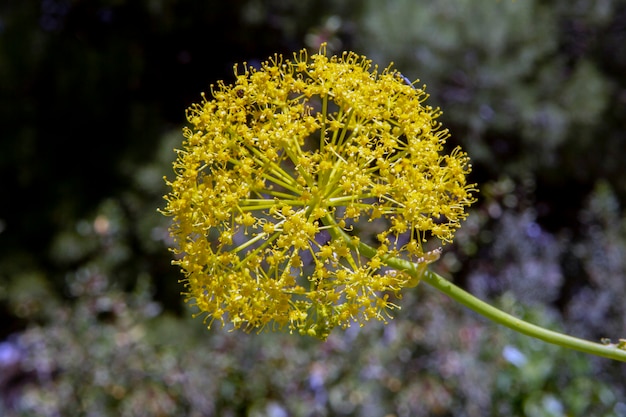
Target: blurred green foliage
(92, 97)
(520, 82)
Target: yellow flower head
(279, 169)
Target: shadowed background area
(92, 100)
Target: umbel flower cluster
(280, 171)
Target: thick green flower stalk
(277, 168)
(308, 193)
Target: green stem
(521, 326)
(487, 310)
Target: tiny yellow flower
(278, 168)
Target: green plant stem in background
(487, 310)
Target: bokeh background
(92, 100)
